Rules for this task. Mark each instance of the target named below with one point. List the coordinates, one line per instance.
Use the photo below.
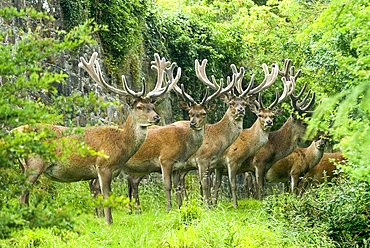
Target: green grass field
(192, 226)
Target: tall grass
(192, 226)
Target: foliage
(223, 226)
(340, 211)
(341, 33)
(27, 97)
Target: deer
(219, 136)
(167, 148)
(284, 141)
(297, 164)
(118, 143)
(251, 139)
(326, 169)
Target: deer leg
(32, 168)
(205, 181)
(135, 191)
(294, 183)
(167, 180)
(177, 186)
(248, 184)
(260, 177)
(129, 187)
(232, 178)
(182, 184)
(105, 179)
(95, 191)
(218, 174)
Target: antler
(287, 74)
(270, 78)
(161, 66)
(205, 98)
(200, 70)
(93, 68)
(299, 106)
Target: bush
(340, 210)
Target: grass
(192, 226)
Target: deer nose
(157, 118)
(269, 123)
(241, 111)
(321, 143)
(193, 124)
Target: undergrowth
(194, 225)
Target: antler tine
(93, 68)
(204, 101)
(200, 71)
(298, 106)
(218, 91)
(255, 102)
(239, 78)
(304, 101)
(286, 65)
(131, 92)
(300, 93)
(229, 84)
(186, 96)
(276, 101)
(159, 65)
(259, 99)
(269, 78)
(169, 73)
(287, 85)
(250, 86)
(238, 81)
(311, 103)
(272, 76)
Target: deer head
(301, 108)
(198, 111)
(236, 103)
(142, 108)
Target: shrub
(340, 210)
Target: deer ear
(184, 105)
(278, 111)
(212, 107)
(224, 98)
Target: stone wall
(78, 80)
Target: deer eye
(139, 108)
(260, 115)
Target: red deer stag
(118, 143)
(251, 139)
(219, 136)
(282, 142)
(167, 148)
(326, 168)
(298, 163)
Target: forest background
(328, 40)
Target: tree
(27, 97)
(343, 31)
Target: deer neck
(195, 139)
(227, 130)
(284, 140)
(133, 135)
(313, 155)
(257, 134)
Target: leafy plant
(340, 211)
(27, 97)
